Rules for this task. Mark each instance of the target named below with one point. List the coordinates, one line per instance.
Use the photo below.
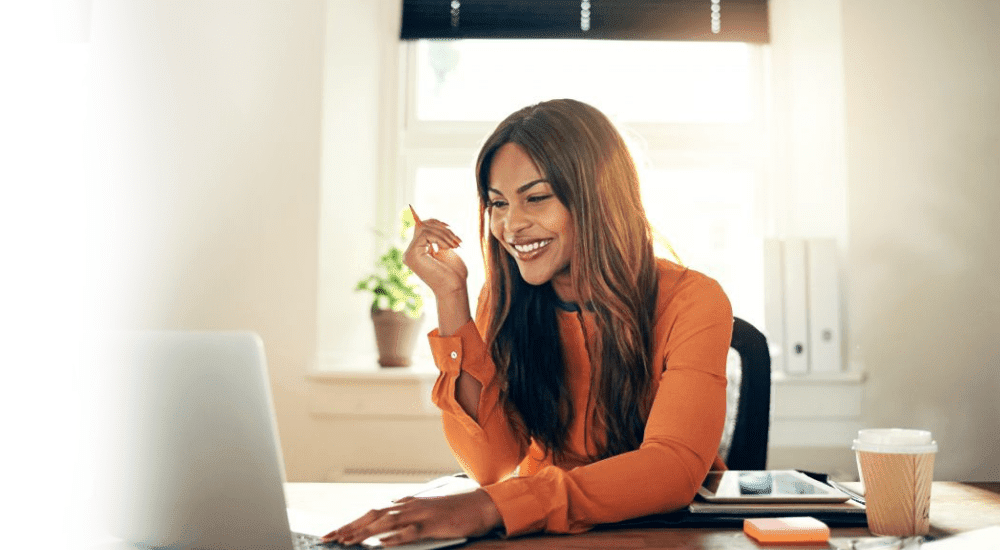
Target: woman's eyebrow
(522, 188)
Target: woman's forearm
(453, 314)
(453, 311)
(467, 392)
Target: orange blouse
(692, 334)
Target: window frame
(669, 145)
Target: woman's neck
(563, 287)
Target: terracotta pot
(396, 336)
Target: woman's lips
(530, 251)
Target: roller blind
(706, 20)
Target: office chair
(748, 400)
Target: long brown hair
(613, 271)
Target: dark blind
(713, 20)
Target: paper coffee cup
(896, 468)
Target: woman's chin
(535, 279)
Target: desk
(955, 508)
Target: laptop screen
(190, 447)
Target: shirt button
(454, 355)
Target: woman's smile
(530, 251)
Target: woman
(591, 386)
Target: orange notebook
(798, 530)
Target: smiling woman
(691, 112)
(590, 388)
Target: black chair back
(748, 447)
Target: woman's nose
(515, 220)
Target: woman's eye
(538, 198)
(497, 204)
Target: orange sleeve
(681, 439)
(488, 450)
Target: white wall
(208, 146)
(356, 35)
(923, 148)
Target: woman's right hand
(432, 257)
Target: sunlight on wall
(51, 295)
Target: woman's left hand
(412, 518)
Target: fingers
(431, 256)
(436, 232)
(378, 521)
(414, 519)
(430, 238)
(338, 534)
(440, 233)
(407, 534)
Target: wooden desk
(955, 508)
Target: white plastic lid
(895, 440)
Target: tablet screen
(786, 485)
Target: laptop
(190, 448)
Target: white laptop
(190, 446)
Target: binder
(802, 305)
(824, 306)
(796, 344)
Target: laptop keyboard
(302, 541)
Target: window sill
(818, 378)
(366, 367)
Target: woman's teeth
(525, 248)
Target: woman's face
(528, 220)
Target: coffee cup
(896, 468)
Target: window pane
(707, 216)
(486, 80)
(449, 194)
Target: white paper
(987, 538)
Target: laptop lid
(190, 445)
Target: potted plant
(396, 303)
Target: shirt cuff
(520, 510)
(463, 351)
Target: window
(659, 82)
(692, 112)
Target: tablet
(747, 486)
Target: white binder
(802, 305)
(824, 306)
(796, 344)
